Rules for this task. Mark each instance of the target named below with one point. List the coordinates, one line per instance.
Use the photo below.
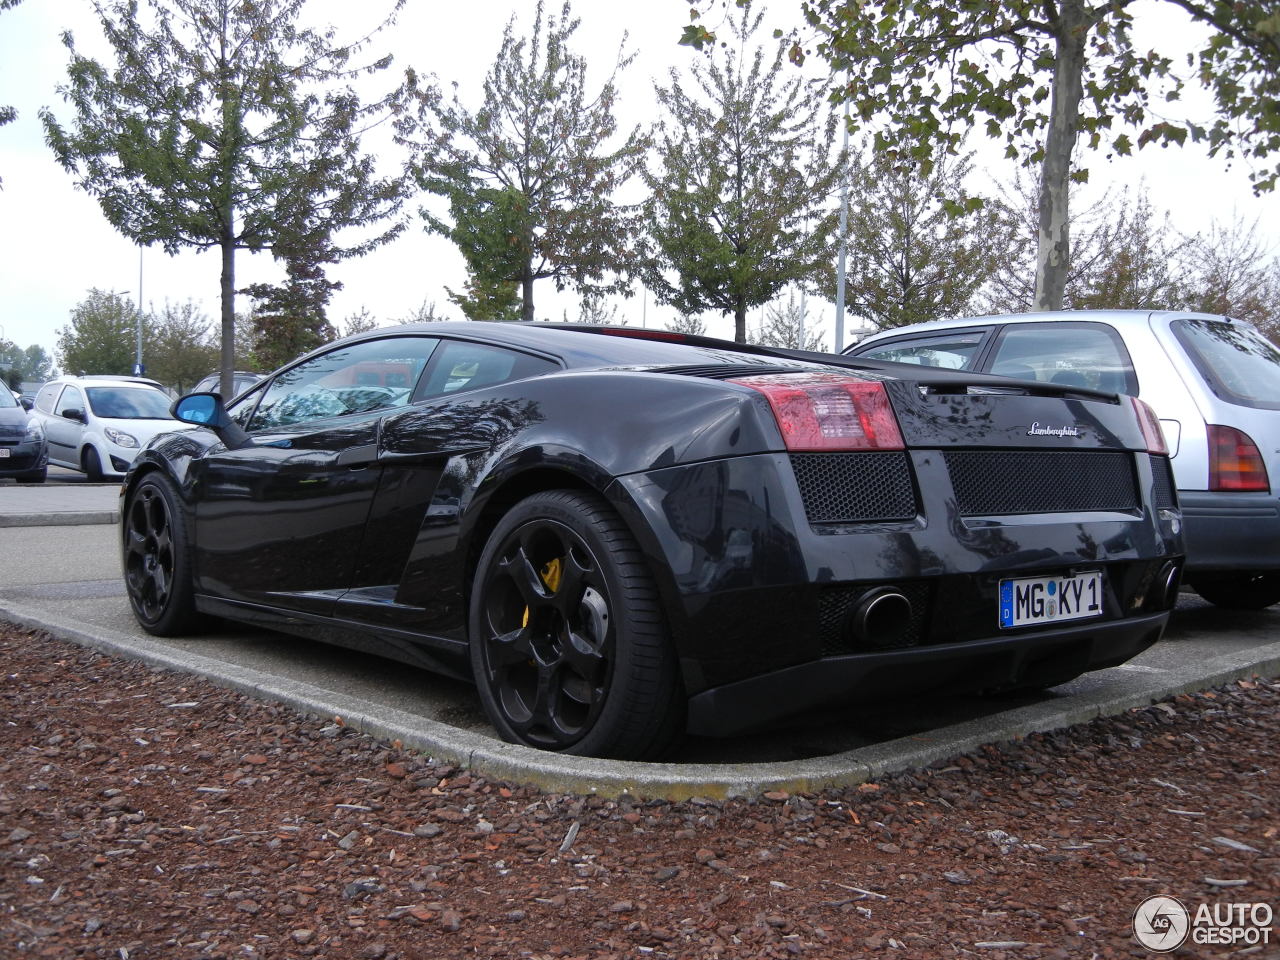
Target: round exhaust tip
(882, 619)
(1170, 580)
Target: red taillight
(829, 411)
(1234, 461)
(1151, 430)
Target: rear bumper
(25, 457)
(1230, 531)
(1037, 659)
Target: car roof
(587, 346)
(1117, 318)
(104, 379)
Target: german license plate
(1050, 599)
(4, 452)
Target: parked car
(97, 424)
(24, 454)
(241, 381)
(622, 534)
(1213, 381)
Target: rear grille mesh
(855, 487)
(990, 482)
(1163, 493)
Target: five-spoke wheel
(568, 644)
(157, 572)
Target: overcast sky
(55, 245)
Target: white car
(1214, 383)
(98, 424)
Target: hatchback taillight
(1234, 461)
(829, 411)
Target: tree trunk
(227, 358)
(526, 292)
(740, 318)
(1054, 252)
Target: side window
(361, 378)
(459, 365)
(71, 399)
(953, 350)
(1073, 353)
(44, 399)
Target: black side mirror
(74, 413)
(27, 403)
(206, 410)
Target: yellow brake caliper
(551, 575)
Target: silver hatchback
(1214, 382)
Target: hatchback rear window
(1072, 353)
(1239, 364)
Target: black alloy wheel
(157, 568)
(568, 644)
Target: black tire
(35, 476)
(1240, 591)
(92, 464)
(157, 559)
(569, 648)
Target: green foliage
(24, 364)
(919, 247)
(180, 346)
(361, 322)
(788, 325)
(1231, 271)
(1038, 76)
(290, 318)
(102, 335)
(737, 209)
(7, 113)
(932, 70)
(225, 124)
(528, 176)
(425, 312)
(688, 324)
(1124, 255)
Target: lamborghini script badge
(1039, 431)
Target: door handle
(357, 458)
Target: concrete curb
(585, 775)
(68, 519)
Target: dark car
(621, 535)
(24, 452)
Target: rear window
(1239, 364)
(1069, 353)
(952, 351)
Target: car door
(468, 403)
(63, 431)
(279, 520)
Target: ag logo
(1161, 923)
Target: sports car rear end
(902, 535)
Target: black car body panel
(366, 529)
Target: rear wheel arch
(520, 486)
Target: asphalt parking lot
(63, 577)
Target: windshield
(1239, 364)
(129, 403)
(7, 398)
